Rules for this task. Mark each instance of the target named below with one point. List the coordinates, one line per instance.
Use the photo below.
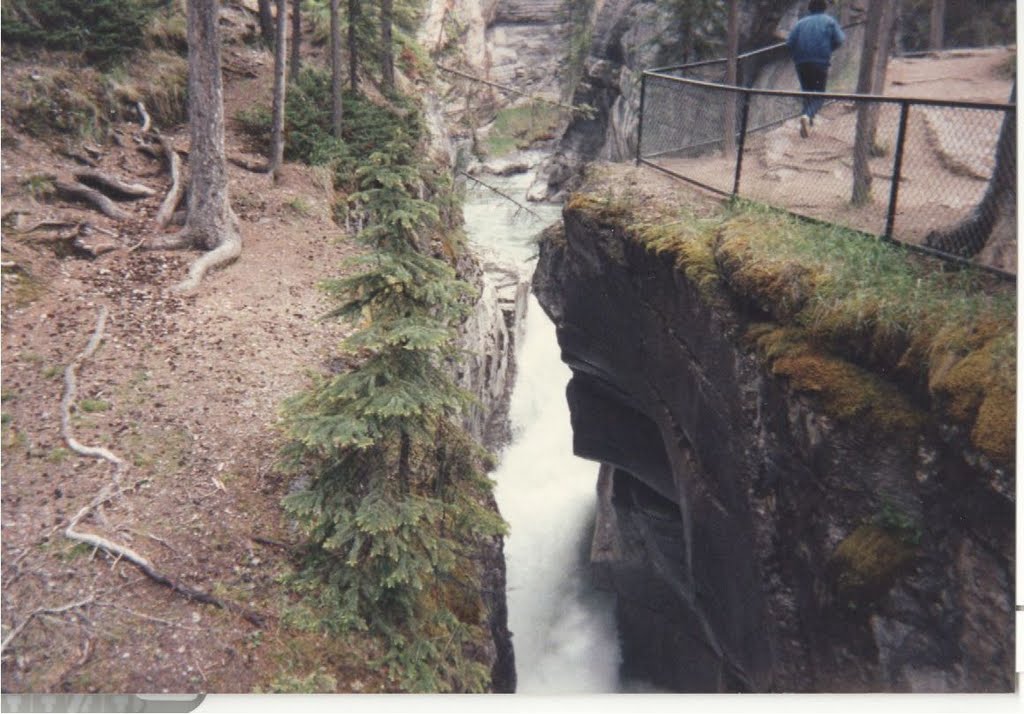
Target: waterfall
(564, 631)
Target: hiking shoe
(804, 121)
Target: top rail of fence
(838, 96)
(744, 56)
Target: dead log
(80, 192)
(112, 186)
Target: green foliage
(394, 508)
(105, 31)
(366, 128)
(519, 127)
(976, 24)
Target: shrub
(105, 31)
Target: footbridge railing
(938, 176)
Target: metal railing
(929, 167)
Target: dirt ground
(185, 389)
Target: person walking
(811, 44)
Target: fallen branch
(504, 195)
(81, 192)
(173, 197)
(110, 184)
(585, 110)
(41, 611)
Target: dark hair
(816, 6)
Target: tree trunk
(731, 75)
(296, 40)
(266, 23)
(937, 28)
(886, 39)
(355, 11)
(862, 139)
(211, 223)
(336, 106)
(387, 55)
(280, 49)
(998, 204)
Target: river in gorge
(564, 631)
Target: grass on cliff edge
(878, 333)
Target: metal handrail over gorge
(937, 157)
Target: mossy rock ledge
(831, 417)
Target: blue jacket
(814, 39)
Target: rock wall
(753, 541)
(630, 36)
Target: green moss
(867, 563)
(848, 393)
(93, 405)
(521, 126)
(690, 241)
(862, 314)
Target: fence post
(897, 170)
(640, 119)
(744, 107)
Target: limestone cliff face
(627, 37)
(487, 370)
(753, 540)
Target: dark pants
(812, 79)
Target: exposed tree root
(80, 192)
(114, 186)
(173, 198)
(118, 551)
(220, 256)
(144, 116)
(257, 167)
(41, 611)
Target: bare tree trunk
(937, 28)
(337, 112)
(732, 34)
(886, 40)
(280, 50)
(387, 55)
(296, 40)
(211, 223)
(266, 23)
(862, 140)
(355, 11)
(999, 204)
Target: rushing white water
(563, 630)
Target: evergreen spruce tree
(395, 504)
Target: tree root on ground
(80, 192)
(222, 255)
(109, 491)
(113, 185)
(174, 194)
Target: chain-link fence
(940, 176)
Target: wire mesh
(956, 166)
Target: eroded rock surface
(756, 543)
